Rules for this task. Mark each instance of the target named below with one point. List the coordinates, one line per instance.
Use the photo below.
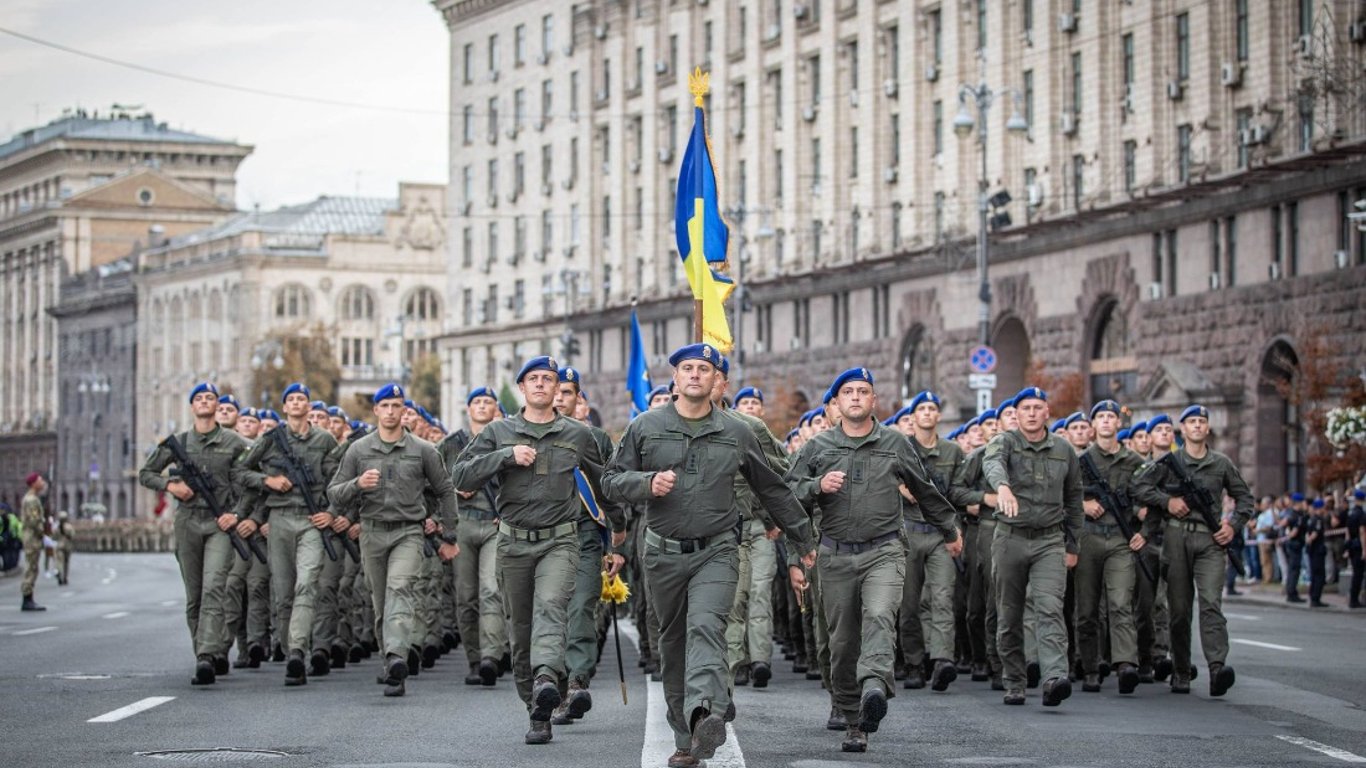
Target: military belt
(291, 508)
(1101, 529)
(683, 546)
(859, 547)
(921, 527)
(538, 534)
(987, 520)
(1189, 525)
(967, 519)
(1029, 533)
(389, 525)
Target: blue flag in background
(637, 372)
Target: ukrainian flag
(702, 235)
(637, 373)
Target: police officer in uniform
(203, 549)
(679, 462)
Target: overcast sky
(387, 53)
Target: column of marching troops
(1020, 552)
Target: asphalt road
(116, 637)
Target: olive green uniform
(202, 549)
(928, 565)
(391, 517)
(295, 544)
(749, 628)
(1028, 549)
(31, 515)
(691, 540)
(478, 606)
(1105, 569)
(970, 483)
(538, 531)
(1193, 563)
(581, 655)
(863, 548)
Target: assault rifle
(1116, 503)
(1200, 501)
(300, 474)
(204, 486)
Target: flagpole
(698, 85)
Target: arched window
(1280, 451)
(1114, 370)
(917, 363)
(423, 304)
(357, 303)
(292, 302)
(1011, 342)
(194, 306)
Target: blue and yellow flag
(637, 372)
(702, 234)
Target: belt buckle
(687, 547)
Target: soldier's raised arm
(623, 480)
(480, 461)
(774, 494)
(937, 510)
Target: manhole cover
(213, 755)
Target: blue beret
(704, 352)
(1123, 435)
(1058, 425)
(1160, 418)
(426, 415)
(1359, 495)
(1105, 405)
(1297, 496)
(753, 392)
(503, 410)
(662, 389)
(297, 387)
(408, 403)
(828, 396)
(1030, 392)
(584, 394)
(201, 387)
(268, 413)
(889, 421)
(724, 366)
(359, 426)
(387, 392)
(808, 416)
(230, 400)
(1317, 504)
(988, 414)
(791, 434)
(480, 392)
(972, 422)
(570, 374)
(1138, 426)
(336, 410)
(438, 424)
(923, 397)
(953, 435)
(1074, 418)
(542, 363)
(1194, 410)
(318, 405)
(250, 413)
(1009, 402)
(905, 411)
(853, 374)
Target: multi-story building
(76, 194)
(1174, 226)
(97, 461)
(221, 303)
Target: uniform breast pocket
(1055, 469)
(406, 479)
(562, 458)
(661, 453)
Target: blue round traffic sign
(982, 359)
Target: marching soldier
(65, 533)
(679, 463)
(1194, 554)
(1039, 511)
(228, 412)
(479, 608)
(32, 515)
(534, 454)
(381, 484)
(202, 546)
(301, 449)
(1105, 564)
(1140, 439)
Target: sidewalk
(1273, 595)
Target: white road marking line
(115, 615)
(169, 603)
(1272, 646)
(1241, 616)
(109, 577)
(131, 709)
(1341, 754)
(659, 736)
(34, 631)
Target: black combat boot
(203, 671)
(294, 669)
(29, 605)
(761, 673)
(855, 740)
(945, 672)
(1056, 690)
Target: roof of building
(327, 215)
(119, 127)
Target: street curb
(1281, 604)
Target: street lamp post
(270, 350)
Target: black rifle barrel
(203, 486)
(1100, 488)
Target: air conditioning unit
(889, 87)
(1356, 31)
(492, 76)
(1154, 290)
(889, 174)
(487, 266)
(666, 155)
(1034, 195)
(1174, 90)
(513, 260)
(1231, 75)
(1128, 101)
(1259, 134)
(511, 132)
(853, 98)
(1067, 22)
(569, 50)
(1340, 259)
(539, 125)
(573, 115)
(1214, 281)
(634, 165)
(800, 11)
(543, 58)
(1305, 46)
(600, 31)
(1274, 270)
(932, 72)
(738, 131)
(809, 114)
(568, 183)
(661, 66)
(465, 207)
(513, 195)
(1067, 123)
(774, 31)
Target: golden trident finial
(699, 84)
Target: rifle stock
(1108, 498)
(1200, 501)
(203, 486)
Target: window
(494, 54)
(468, 133)
(1130, 165)
(671, 129)
(853, 152)
(896, 227)
(1030, 175)
(357, 303)
(574, 225)
(1029, 98)
(547, 164)
(466, 183)
(606, 216)
(468, 59)
(981, 25)
(606, 80)
(1027, 19)
(936, 37)
(777, 178)
(939, 217)
(1171, 262)
(574, 157)
(673, 54)
(491, 249)
(467, 247)
(937, 126)
(1076, 84)
(1240, 35)
(493, 119)
(1231, 251)
(493, 182)
(801, 322)
(813, 73)
(1244, 121)
(423, 304)
(739, 113)
(1344, 223)
(1183, 153)
(1113, 366)
(816, 166)
(1216, 266)
(518, 174)
(1360, 194)
(1128, 69)
(917, 363)
(1277, 241)
(292, 302)
(1078, 180)
(839, 304)
(573, 93)
(894, 50)
(491, 305)
(357, 352)
(467, 304)
(547, 33)
(1292, 232)
(640, 68)
(519, 236)
(895, 147)
(547, 231)
(708, 40)
(1183, 47)
(851, 49)
(1306, 17)
(519, 45)
(1306, 110)
(1157, 258)
(741, 181)
(639, 213)
(518, 298)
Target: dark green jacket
(1044, 477)
(747, 504)
(869, 503)
(479, 506)
(214, 451)
(706, 458)
(1155, 486)
(407, 468)
(942, 462)
(264, 459)
(1118, 469)
(544, 494)
(971, 484)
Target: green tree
(507, 397)
(425, 385)
(308, 358)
